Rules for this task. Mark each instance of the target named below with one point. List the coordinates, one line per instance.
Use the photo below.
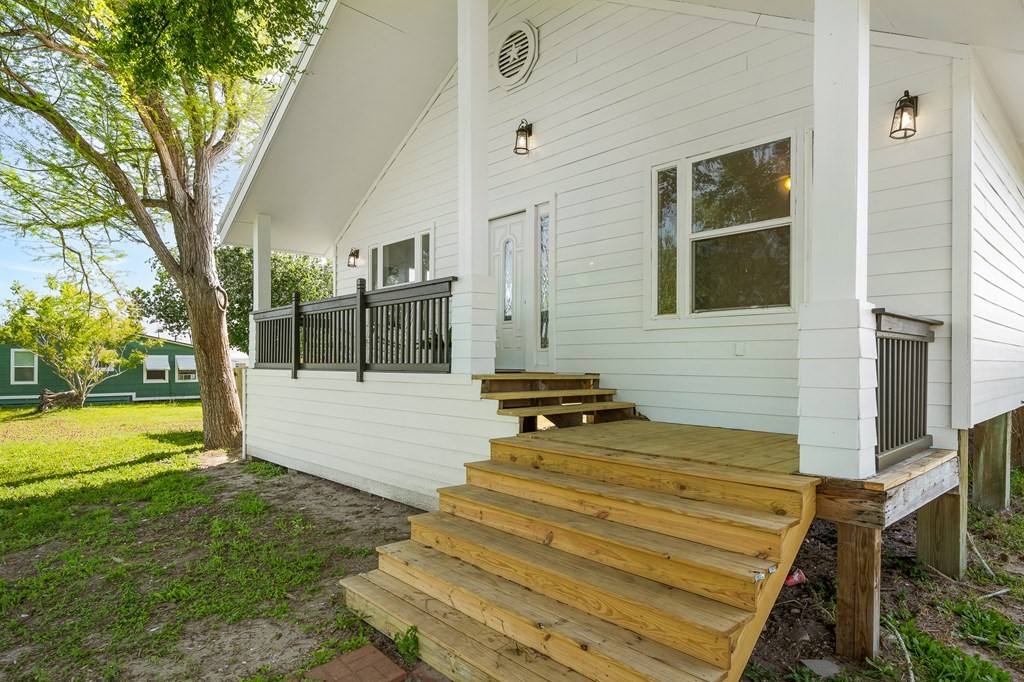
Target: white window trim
(147, 380)
(417, 238)
(799, 197)
(35, 368)
(178, 371)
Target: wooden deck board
(730, 447)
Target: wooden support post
(942, 525)
(360, 330)
(858, 603)
(296, 335)
(992, 463)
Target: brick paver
(367, 664)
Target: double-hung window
(24, 366)
(723, 231)
(401, 262)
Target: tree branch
(34, 103)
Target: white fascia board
(273, 120)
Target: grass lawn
(127, 553)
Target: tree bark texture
(206, 303)
(48, 400)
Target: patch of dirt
(228, 652)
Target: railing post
(296, 335)
(360, 330)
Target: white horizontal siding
(997, 220)
(616, 84)
(398, 436)
(618, 88)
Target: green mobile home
(167, 373)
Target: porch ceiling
(379, 61)
(372, 72)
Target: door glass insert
(545, 277)
(508, 256)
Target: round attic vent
(517, 54)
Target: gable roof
(371, 73)
(365, 81)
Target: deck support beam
(942, 525)
(859, 598)
(837, 345)
(992, 444)
(474, 294)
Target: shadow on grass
(186, 439)
(145, 459)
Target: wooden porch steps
(558, 564)
(563, 399)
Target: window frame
(35, 368)
(178, 371)
(375, 279)
(685, 316)
(167, 373)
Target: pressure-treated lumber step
(724, 576)
(449, 640)
(535, 376)
(690, 623)
(597, 649)
(746, 531)
(775, 493)
(546, 410)
(559, 393)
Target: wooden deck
(774, 452)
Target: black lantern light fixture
(904, 119)
(523, 134)
(353, 258)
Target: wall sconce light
(904, 119)
(523, 134)
(353, 258)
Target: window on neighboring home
(401, 262)
(738, 233)
(185, 368)
(155, 369)
(24, 366)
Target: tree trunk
(48, 400)
(222, 416)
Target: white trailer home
(789, 234)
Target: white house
(713, 203)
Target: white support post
(837, 340)
(260, 273)
(473, 299)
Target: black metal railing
(405, 328)
(902, 393)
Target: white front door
(510, 239)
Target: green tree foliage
(312, 277)
(115, 116)
(83, 339)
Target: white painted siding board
(997, 301)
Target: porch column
(837, 342)
(260, 273)
(261, 263)
(473, 296)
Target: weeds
(408, 644)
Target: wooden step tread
(450, 641)
(594, 647)
(542, 442)
(718, 574)
(555, 393)
(542, 410)
(752, 518)
(696, 625)
(748, 531)
(534, 376)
